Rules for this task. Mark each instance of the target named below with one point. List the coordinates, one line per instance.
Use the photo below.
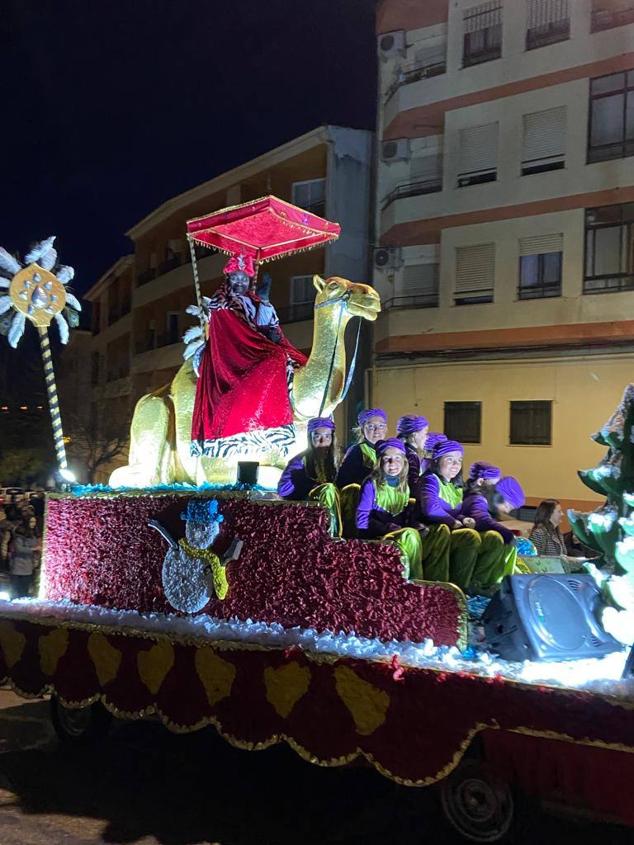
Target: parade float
(182, 594)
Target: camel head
(361, 300)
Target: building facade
(139, 303)
(505, 226)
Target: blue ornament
(525, 547)
(203, 511)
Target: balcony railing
(548, 33)
(115, 312)
(116, 373)
(296, 313)
(413, 189)
(544, 290)
(416, 300)
(408, 75)
(609, 284)
(156, 341)
(170, 264)
(609, 18)
(146, 276)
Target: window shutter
(541, 244)
(478, 149)
(475, 268)
(420, 278)
(544, 135)
(544, 12)
(423, 168)
(483, 16)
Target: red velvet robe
(242, 385)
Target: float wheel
(79, 725)
(478, 805)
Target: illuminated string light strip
(53, 401)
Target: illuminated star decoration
(37, 292)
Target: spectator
(546, 534)
(24, 556)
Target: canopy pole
(192, 252)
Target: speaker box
(546, 617)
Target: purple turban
(409, 424)
(320, 422)
(390, 443)
(364, 416)
(433, 438)
(485, 471)
(447, 446)
(511, 491)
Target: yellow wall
(584, 393)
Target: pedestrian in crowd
(24, 557)
(6, 530)
(546, 534)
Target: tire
(478, 806)
(79, 725)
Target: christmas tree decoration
(610, 529)
(37, 292)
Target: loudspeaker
(248, 472)
(546, 617)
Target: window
(463, 421)
(478, 153)
(482, 34)
(610, 13)
(171, 327)
(418, 287)
(611, 130)
(548, 21)
(475, 271)
(531, 423)
(609, 264)
(540, 266)
(544, 141)
(302, 298)
(310, 195)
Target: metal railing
(415, 74)
(413, 189)
(601, 19)
(543, 290)
(170, 264)
(548, 33)
(609, 284)
(146, 276)
(416, 300)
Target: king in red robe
(242, 400)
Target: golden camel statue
(160, 432)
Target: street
(148, 787)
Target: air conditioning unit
(392, 44)
(388, 258)
(397, 150)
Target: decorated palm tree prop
(36, 291)
(610, 529)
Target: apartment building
(505, 226)
(139, 303)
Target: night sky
(110, 107)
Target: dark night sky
(110, 107)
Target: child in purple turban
(383, 508)
(312, 474)
(487, 496)
(360, 459)
(413, 430)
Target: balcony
(117, 311)
(415, 73)
(118, 372)
(146, 276)
(601, 19)
(171, 264)
(415, 300)
(154, 341)
(413, 189)
(548, 33)
(482, 46)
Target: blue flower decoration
(525, 547)
(202, 510)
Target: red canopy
(265, 228)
